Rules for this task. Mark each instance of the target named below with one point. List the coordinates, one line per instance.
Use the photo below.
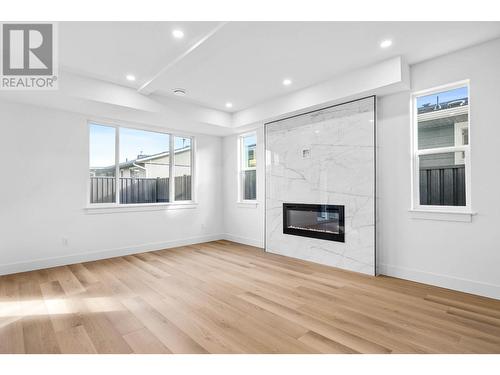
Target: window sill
(247, 204)
(442, 215)
(140, 207)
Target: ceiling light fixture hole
(179, 92)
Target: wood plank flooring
(223, 297)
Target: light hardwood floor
(223, 297)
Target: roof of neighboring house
(429, 107)
(142, 159)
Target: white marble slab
(326, 157)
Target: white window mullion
(441, 150)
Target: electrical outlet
(65, 241)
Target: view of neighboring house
(443, 125)
(144, 179)
(150, 166)
(248, 167)
(252, 162)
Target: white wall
(43, 190)
(243, 222)
(457, 255)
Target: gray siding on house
(436, 136)
(437, 160)
(438, 133)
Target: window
(248, 167)
(145, 164)
(441, 163)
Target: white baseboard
(450, 282)
(244, 240)
(444, 281)
(37, 264)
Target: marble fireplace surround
(326, 156)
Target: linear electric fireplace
(321, 221)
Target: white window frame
(242, 168)
(135, 206)
(415, 152)
(459, 128)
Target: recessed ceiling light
(229, 105)
(179, 92)
(178, 33)
(287, 82)
(386, 43)
(130, 77)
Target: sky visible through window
(249, 140)
(132, 143)
(138, 142)
(102, 146)
(445, 96)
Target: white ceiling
(111, 50)
(246, 62)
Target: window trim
(107, 207)
(241, 169)
(415, 153)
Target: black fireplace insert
(321, 221)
